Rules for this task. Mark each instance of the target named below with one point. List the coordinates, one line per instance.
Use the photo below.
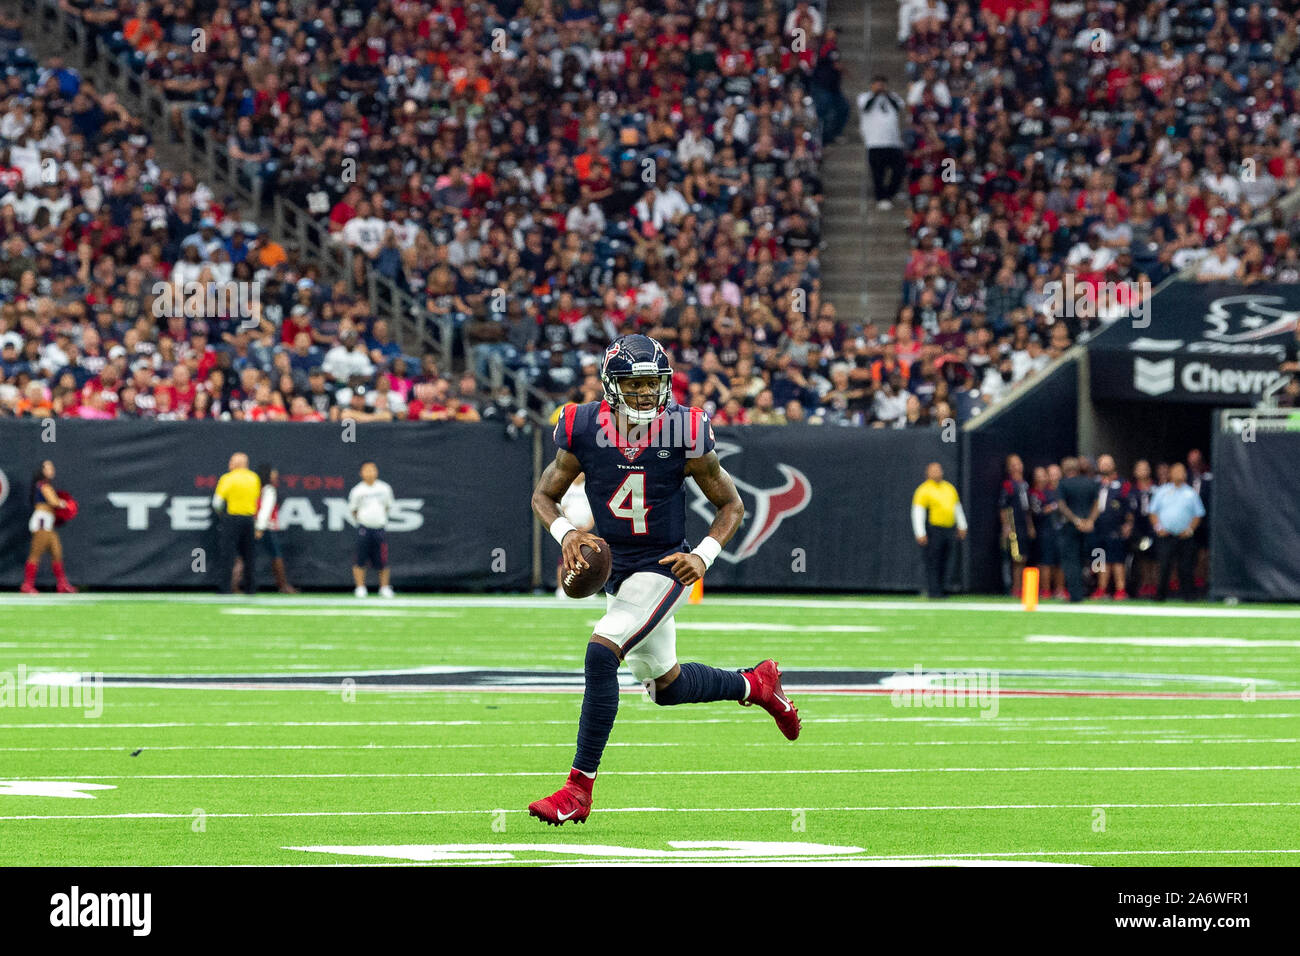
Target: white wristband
(560, 527)
(708, 551)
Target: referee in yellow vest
(937, 519)
(236, 495)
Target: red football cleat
(1098, 595)
(29, 589)
(66, 588)
(1062, 595)
(572, 802)
(1121, 595)
(765, 691)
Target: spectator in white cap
(206, 239)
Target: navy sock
(698, 683)
(599, 706)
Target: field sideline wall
(144, 491)
(1254, 514)
(827, 508)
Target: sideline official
(235, 500)
(937, 521)
(1176, 511)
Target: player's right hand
(572, 549)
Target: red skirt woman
(49, 509)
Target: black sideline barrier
(145, 488)
(1256, 509)
(827, 508)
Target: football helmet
(632, 356)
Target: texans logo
(1249, 318)
(770, 506)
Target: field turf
(417, 730)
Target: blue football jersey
(636, 490)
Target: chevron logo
(1153, 378)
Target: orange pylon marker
(1029, 588)
(697, 593)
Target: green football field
(159, 730)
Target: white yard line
(664, 773)
(531, 603)
(938, 808)
(973, 719)
(1143, 641)
(333, 612)
(1189, 740)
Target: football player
(636, 448)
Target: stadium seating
(671, 188)
(1112, 150)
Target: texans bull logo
(1249, 318)
(769, 507)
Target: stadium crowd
(547, 176)
(93, 229)
(1115, 143)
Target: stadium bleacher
(1160, 134)
(671, 188)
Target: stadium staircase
(864, 249)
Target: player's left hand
(687, 568)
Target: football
(585, 583)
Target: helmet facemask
(637, 416)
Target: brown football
(585, 583)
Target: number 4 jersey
(636, 488)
